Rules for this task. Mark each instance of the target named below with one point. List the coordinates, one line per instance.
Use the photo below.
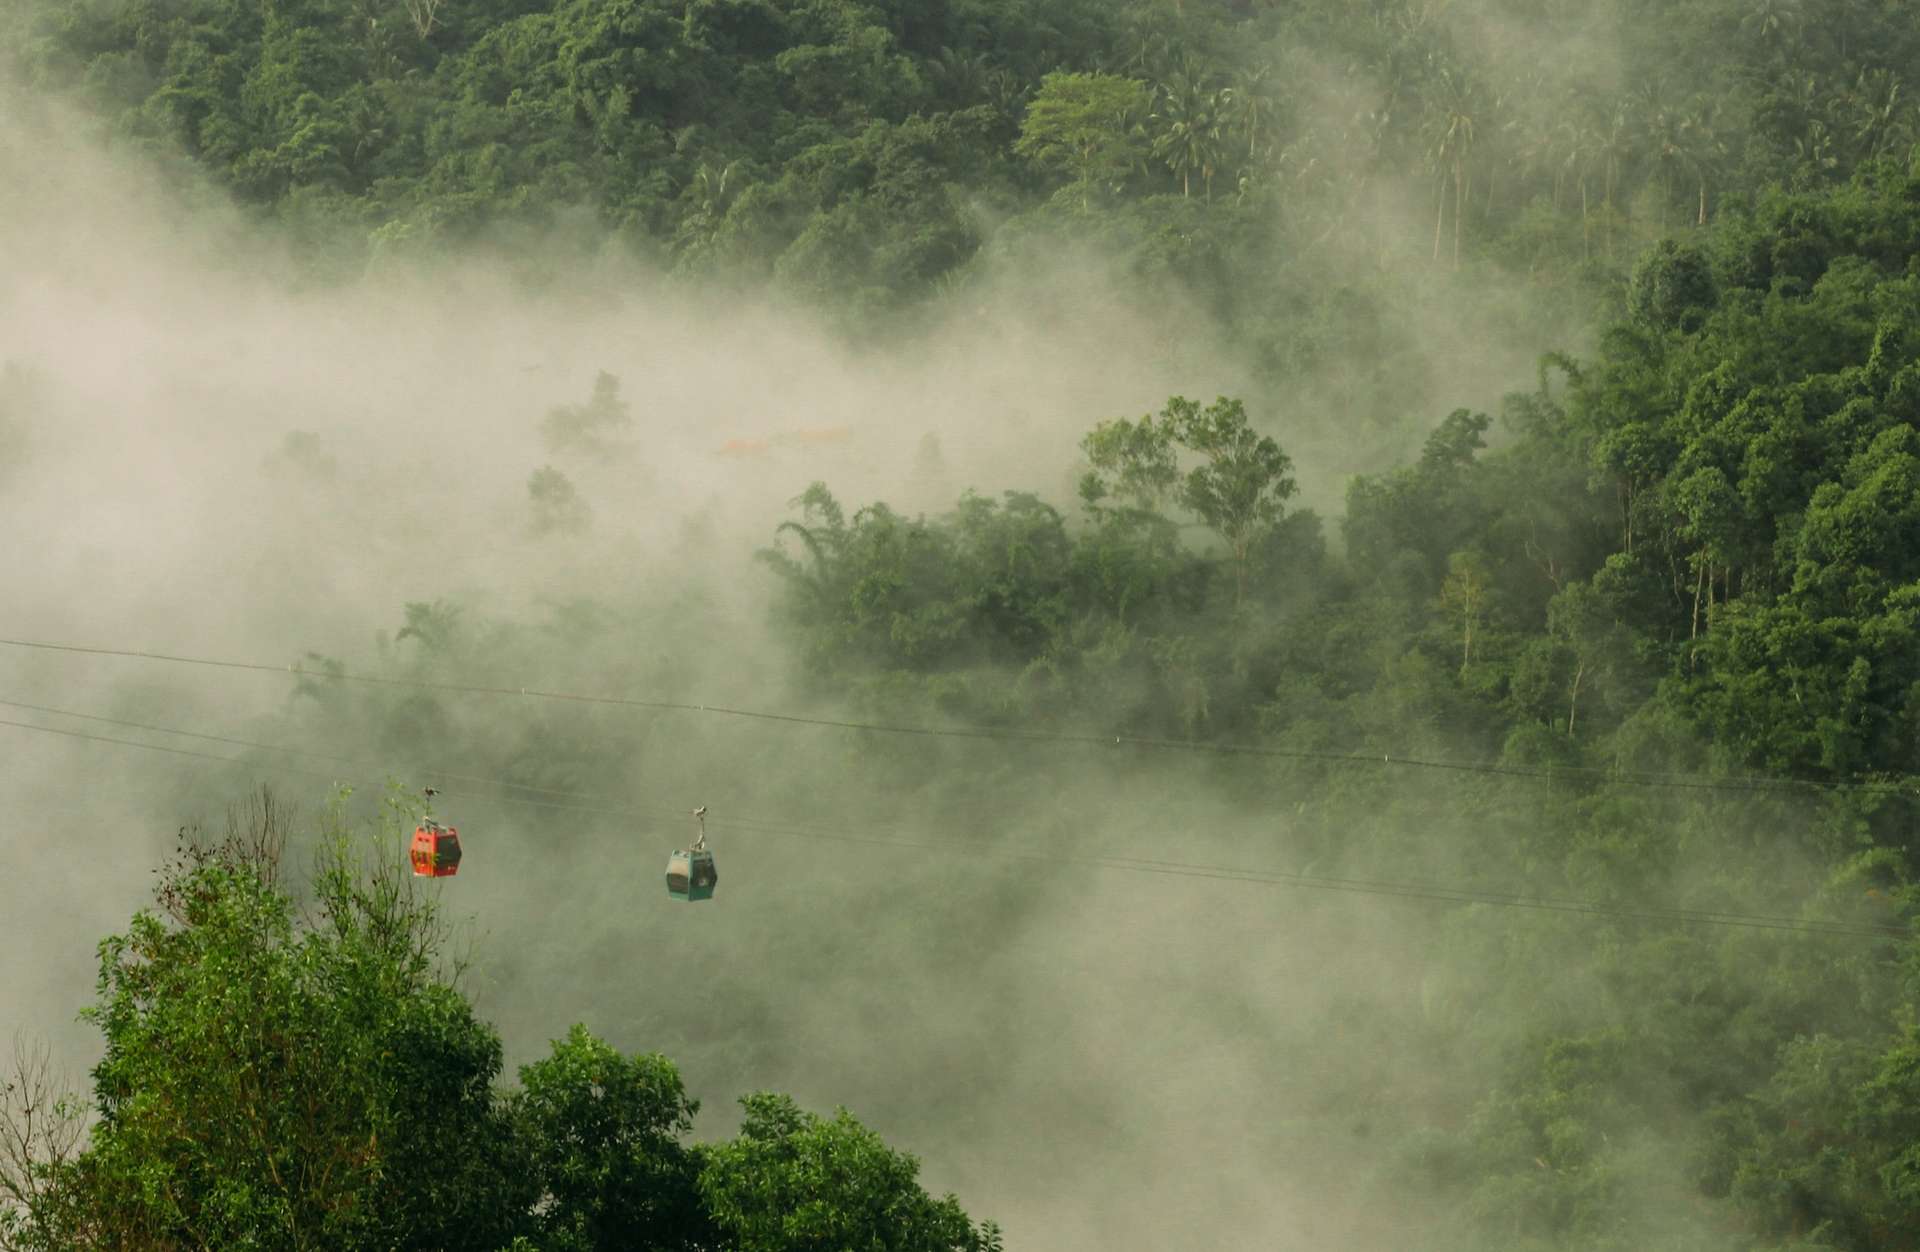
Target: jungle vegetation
(1290, 172)
(1690, 549)
(294, 1065)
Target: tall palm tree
(1451, 129)
(1007, 92)
(1611, 139)
(1703, 145)
(1772, 24)
(1250, 104)
(1662, 132)
(1188, 119)
(1532, 133)
(1150, 57)
(1574, 148)
(1816, 151)
(960, 76)
(1877, 114)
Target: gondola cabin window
(691, 875)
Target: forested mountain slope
(1648, 627)
(1285, 163)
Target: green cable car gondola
(690, 873)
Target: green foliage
(273, 1079)
(604, 1133)
(1672, 287)
(1008, 584)
(865, 158)
(796, 1182)
(557, 505)
(1135, 462)
(1236, 489)
(592, 428)
(1697, 548)
(1692, 551)
(1087, 126)
(1241, 482)
(280, 1075)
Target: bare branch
(42, 1126)
(423, 13)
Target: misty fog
(206, 452)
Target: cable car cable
(358, 763)
(1483, 895)
(1458, 895)
(755, 825)
(1904, 785)
(1432, 892)
(763, 826)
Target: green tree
(285, 1078)
(1189, 120)
(593, 428)
(557, 504)
(1237, 489)
(604, 1132)
(1671, 288)
(1086, 126)
(795, 1182)
(1242, 482)
(1133, 462)
(1459, 111)
(1463, 596)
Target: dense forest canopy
(1656, 612)
(842, 145)
(1294, 170)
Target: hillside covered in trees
(1645, 635)
(1289, 173)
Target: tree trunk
(1573, 696)
(1586, 228)
(1439, 217)
(1703, 201)
(1459, 209)
(1606, 227)
(1699, 578)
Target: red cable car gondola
(436, 850)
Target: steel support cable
(355, 762)
(755, 825)
(1432, 892)
(1465, 895)
(1641, 778)
(1471, 894)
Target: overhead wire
(1641, 778)
(356, 762)
(761, 826)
